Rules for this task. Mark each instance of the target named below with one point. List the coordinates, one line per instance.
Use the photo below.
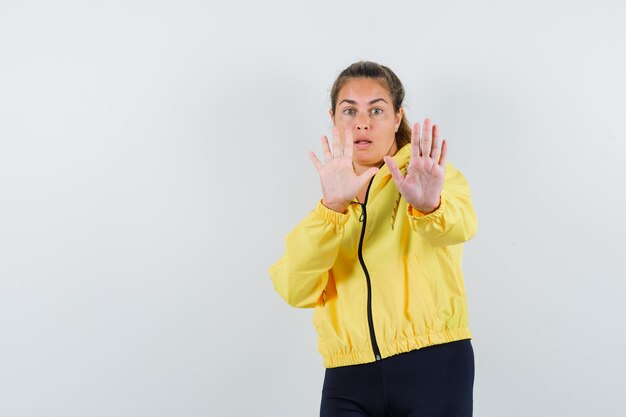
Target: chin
(369, 161)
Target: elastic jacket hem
(335, 360)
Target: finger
(316, 162)
(444, 153)
(367, 175)
(426, 140)
(436, 151)
(336, 144)
(415, 141)
(396, 174)
(348, 144)
(326, 149)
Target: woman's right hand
(340, 184)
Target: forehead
(364, 89)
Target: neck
(359, 169)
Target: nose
(362, 123)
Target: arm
(454, 221)
(439, 205)
(301, 274)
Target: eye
(349, 112)
(377, 111)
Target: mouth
(362, 141)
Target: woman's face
(364, 107)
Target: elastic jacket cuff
(420, 217)
(330, 216)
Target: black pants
(436, 381)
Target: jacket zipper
(370, 319)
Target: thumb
(394, 170)
(367, 175)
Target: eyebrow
(371, 102)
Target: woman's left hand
(422, 184)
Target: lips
(362, 141)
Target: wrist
(336, 206)
(427, 208)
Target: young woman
(379, 259)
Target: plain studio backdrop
(153, 156)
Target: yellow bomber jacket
(382, 278)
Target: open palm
(422, 184)
(340, 184)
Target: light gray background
(154, 154)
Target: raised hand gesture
(340, 184)
(422, 184)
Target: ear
(332, 116)
(399, 116)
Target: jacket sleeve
(301, 274)
(455, 220)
